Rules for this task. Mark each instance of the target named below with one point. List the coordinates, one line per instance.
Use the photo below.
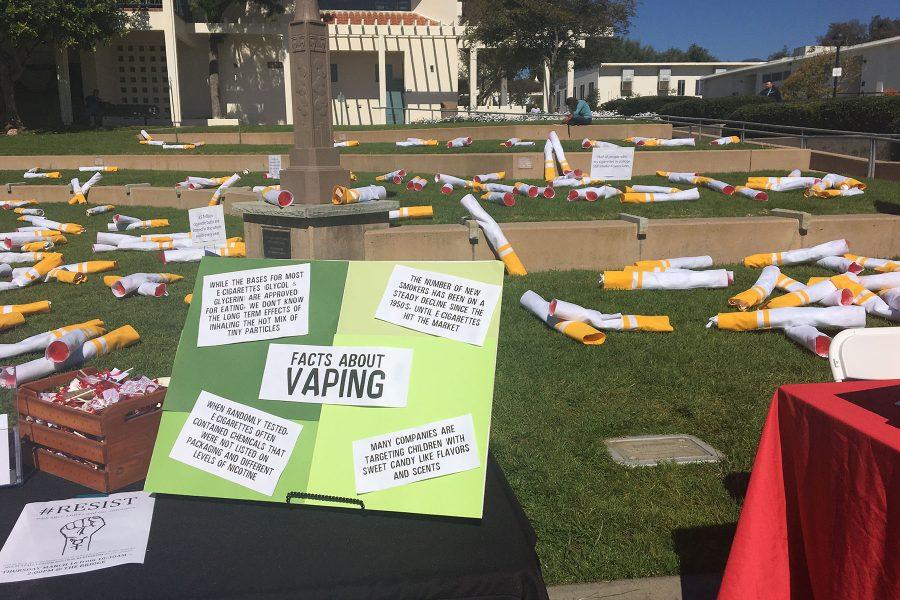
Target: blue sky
(748, 28)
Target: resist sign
(437, 304)
(246, 446)
(259, 304)
(357, 376)
(440, 448)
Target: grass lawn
(554, 403)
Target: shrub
(710, 108)
(879, 114)
(639, 104)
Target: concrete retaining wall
(485, 132)
(119, 196)
(560, 245)
(852, 166)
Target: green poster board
(448, 379)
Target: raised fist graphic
(78, 533)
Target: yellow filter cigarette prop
(724, 141)
(833, 317)
(580, 332)
(10, 320)
(32, 308)
(411, 212)
(808, 295)
(797, 257)
(757, 294)
(681, 262)
(666, 280)
(549, 162)
(494, 235)
(69, 277)
(879, 264)
(92, 266)
(188, 298)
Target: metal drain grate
(651, 450)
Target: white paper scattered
(207, 226)
(5, 465)
(402, 457)
(357, 376)
(274, 166)
(246, 446)
(438, 304)
(258, 304)
(612, 164)
(77, 535)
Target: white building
(617, 80)
(392, 61)
(880, 70)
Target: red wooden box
(119, 439)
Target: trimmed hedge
(873, 114)
(710, 108)
(639, 104)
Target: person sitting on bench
(579, 112)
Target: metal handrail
(890, 137)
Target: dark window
(334, 73)
(590, 88)
(581, 91)
(681, 87)
(626, 88)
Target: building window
(558, 98)
(681, 87)
(662, 86)
(334, 73)
(697, 88)
(581, 91)
(627, 81)
(590, 89)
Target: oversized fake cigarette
(499, 187)
(891, 297)
(27, 246)
(36, 175)
(394, 176)
(751, 193)
(91, 266)
(10, 204)
(22, 257)
(501, 198)
(514, 141)
(680, 262)
(809, 295)
(39, 270)
(111, 280)
(451, 181)
(459, 142)
(154, 290)
(39, 342)
(525, 189)
(816, 192)
(196, 183)
(35, 212)
(494, 235)
(195, 254)
(588, 143)
(188, 298)
(636, 139)
(781, 184)
(761, 290)
(416, 184)
(547, 191)
(667, 142)
(576, 330)
(639, 198)
(676, 177)
(191, 146)
(62, 348)
(32, 308)
(98, 169)
(832, 317)
(486, 177)
(714, 184)
(724, 141)
(666, 280)
(417, 142)
(145, 136)
(839, 264)
(568, 181)
(798, 257)
(114, 239)
(561, 155)
(651, 189)
(5, 270)
(54, 225)
(63, 276)
(80, 195)
(835, 181)
(217, 195)
(810, 338)
(147, 224)
(549, 162)
(346, 144)
(152, 142)
(568, 311)
(274, 195)
(411, 212)
(10, 320)
(863, 297)
(369, 193)
(882, 281)
(149, 246)
(591, 194)
(98, 210)
(879, 264)
(786, 284)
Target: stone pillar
(504, 92)
(63, 86)
(171, 43)
(382, 77)
(570, 78)
(286, 76)
(315, 163)
(546, 88)
(473, 77)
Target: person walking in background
(771, 92)
(579, 112)
(94, 107)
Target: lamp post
(836, 71)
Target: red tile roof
(374, 17)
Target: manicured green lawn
(125, 176)
(555, 401)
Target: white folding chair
(866, 354)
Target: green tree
(812, 79)
(783, 53)
(883, 27)
(214, 12)
(544, 33)
(847, 33)
(27, 24)
(614, 49)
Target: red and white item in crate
(93, 393)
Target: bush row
(711, 108)
(639, 104)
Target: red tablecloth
(822, 514)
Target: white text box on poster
(207, 226)
(612, 164)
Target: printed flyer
(368, 382)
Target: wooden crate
(119, 438)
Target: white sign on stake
(257, 304)
(207, 226)
(274, 166)
(352, 375)
(244, 445)
(438, 304)
(402, 457)
(612, 164)
(837, 71)
(78, 535)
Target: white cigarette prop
(651, 189)
(501, 198)
(835, 181)
(666, 280)
(588, 143)
(395, 177)
(593, 193)
(680, 262)
(98, 169)
(760, 291)
(416, 184)
(147, 224)
(62, 348)
(809, 295)
(573, 181)
(724, 141)
(547, 191)
(667, 142)
(195, 254)
(751, 193)
(636, 139)
(276, 196)
(549, 162)
(21, 257)
(561, 155)
(37, 212)
(781, 184)
(883, 281)
(39, 342)
(145, 136)
(346, 144)
(526, 189)
(451, 182)
(798, 257)
(568, 311)
(494, 235)
(832, 317)
(369, 193)
(638, 198)
(191, 146)
(154, 290)
(714, 184)
(810, 338)
(486, 177)
(459, 142)
(839, 264)
(10, 204)
(891, 297)
(499, 187)
(879, 264)
(36, 175)
(576, 330)
(217, 195)
(675, 177)
(54, 225)
(411, 212)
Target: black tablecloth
(201, 548)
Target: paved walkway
(689, 587)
